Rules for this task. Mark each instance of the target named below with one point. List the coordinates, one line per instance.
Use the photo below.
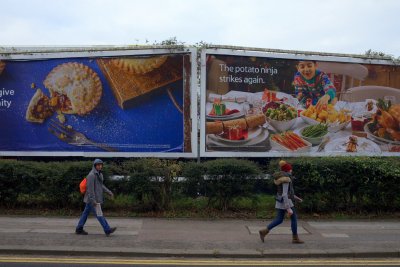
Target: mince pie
(39, 108)
(74, 88)
(140, 65)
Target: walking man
(284, 201)
(94, 199)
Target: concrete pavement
(198, 238)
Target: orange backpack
(82, 186)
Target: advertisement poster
(121, 104)
(274, 105)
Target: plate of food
(335, 119)
(280, 116)
(385, 125)
(386, 135)
(236, 131)
(223, 111)
(289, 142)
(314, 133)
(239, 136)
(263, 137)
(352, 144)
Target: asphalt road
(33, 261)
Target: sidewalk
(198, 238)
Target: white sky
(343, 26)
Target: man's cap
(98, 161)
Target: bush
(194, 185)
(52, 184)
(229, 178)
(10, 184)
(352, 184)
(343, 184)
(151, 181)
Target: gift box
(236, 133)
(269, 96)
(219, 109)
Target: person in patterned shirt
(312, 86)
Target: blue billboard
(120, 105)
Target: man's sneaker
(81, 232)
(112, 230)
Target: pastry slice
(74, 88)
(39, 108)
(2, 66)
(140, 65)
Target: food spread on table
(375, 125)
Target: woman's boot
(263, 233)
(297, 240)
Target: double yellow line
(194, 262)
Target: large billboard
(104, 103)
(257, 104)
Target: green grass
(123, 202)
(260, 206)
(186, 203)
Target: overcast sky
(344, 26)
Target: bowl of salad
(281, 116)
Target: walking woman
(284, 201)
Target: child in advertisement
(312, 86)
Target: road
(36, 261)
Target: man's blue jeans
(280, 215)
(88, 209)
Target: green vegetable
(283, 112)
(384, 105)
(315, 131)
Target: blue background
(155, 121)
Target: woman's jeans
(88, 209)
(280, 215)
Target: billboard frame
(30, 54)
(235, 51)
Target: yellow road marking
(190, 262)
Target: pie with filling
(2, 66)
(140, 65)
(74, 88)
(39, 108)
